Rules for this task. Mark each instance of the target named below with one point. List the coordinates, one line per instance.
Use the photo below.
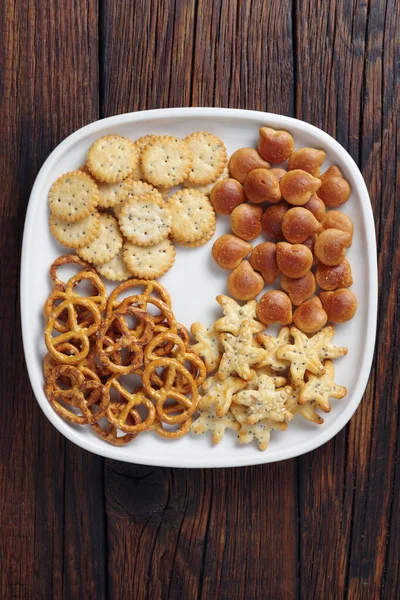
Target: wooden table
(323, 526)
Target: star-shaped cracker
(208, 345)
(208, 421)
(219, 393)
(260, 431)
(278, 380)
(320, 388)
(303, 355)
(272, 345)
(234, 314)
(307, 410)
(328, 351)
(239, 353)
(265, 402)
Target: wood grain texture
(353, 476)
(322, 526)
(51, 493)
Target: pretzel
(150, 288)
(100, 298)
(178, 351)
(169, 390)
(160, 342)
(49, 362)
(158, 427)
(82, 382)
(109, 432)
(165, 321)
(109, 349)
(119, 413)
(75, 330)
(68, 294)
(183, 334)
(67, 259)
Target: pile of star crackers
(117, 211)
(256, 382)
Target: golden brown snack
(298, 224)
(332, 278)
(297, 187)
(300, 289)
(246, 221)
(330, 246)
(208, 421)
(227, 195)
(83, 392)
(261, 185)
(239, 353)
(263, 259)
(244, 283)
(310, 316)
(340, 305)
(334, 190)
(218, 393)
(278, 172)
(335, 219)
(272, 345)
(319, 388)
(316, 206)
(234, 314)
(229, 250)
(275, 307)
(261, 430)
(307, 159)
(243, 161)
(307, 353)
(112, 158)
(208, 155)
(293, 260)
(271, 222)
(275, 145)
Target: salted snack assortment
(307, 245)
(119, 212)
(257, 383)
(121, 364)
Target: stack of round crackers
(116, 211)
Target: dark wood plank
(51, 515)
(146, 54)
(193, 533)
(346, 73)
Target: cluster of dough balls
(306, 244)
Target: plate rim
(224, 461)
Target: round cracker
(73, 196)
(200, 242)
(209, 157)
(136, 188)
(193, 216)
(115, 269)
(106, 244)
(207, 187)
(142, 142)
(166, 161)
(75, 235)
(112, 158)
(112, 194)
(146, 219)
(149, 262)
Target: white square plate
(194, 281)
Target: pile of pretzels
(119, 364)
